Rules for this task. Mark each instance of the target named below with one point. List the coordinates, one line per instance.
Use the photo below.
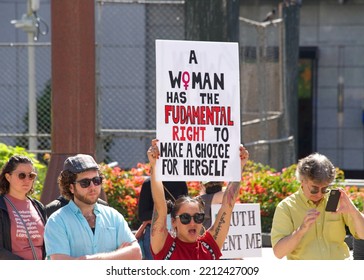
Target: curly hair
(9, 167)
(65, 179)
(317, 168)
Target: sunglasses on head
(85, 183)
(23, 175)
(185, 218)
(316, 190)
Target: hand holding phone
(333, 201)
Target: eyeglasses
(316, 190)
(185, 218)
(85, 183)
(23, 175)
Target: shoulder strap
(174, 200)
(207, 246)
(171, 249)
(25, 226)
(140, 231)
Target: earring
(174, 233)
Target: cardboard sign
(198, 111)
(245, 235)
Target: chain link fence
(126, 34)
(125, 57)
(265, 116)
(25, 85)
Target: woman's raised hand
(153, 152)
(244, 155)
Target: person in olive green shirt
(302, 229)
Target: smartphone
(333, 201)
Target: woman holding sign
(187, 217)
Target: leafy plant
(356, 195)
(122, 188)
(264, 185)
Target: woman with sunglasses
(84, 229)
(187, 217)
(22, 218)
(303, 228)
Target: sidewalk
(267, 254)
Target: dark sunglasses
(85, 183)
(316, 190)
(185, 218)
(23, 175)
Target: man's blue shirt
(67, 231)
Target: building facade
(330, 111)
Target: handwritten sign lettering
(198, 110)
(244, 238)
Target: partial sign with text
(245, 235)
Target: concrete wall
(337, 30)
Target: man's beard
(84, 199)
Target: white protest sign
(198, 110)
(245, 236)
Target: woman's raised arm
(159, 230)
(220, 228)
